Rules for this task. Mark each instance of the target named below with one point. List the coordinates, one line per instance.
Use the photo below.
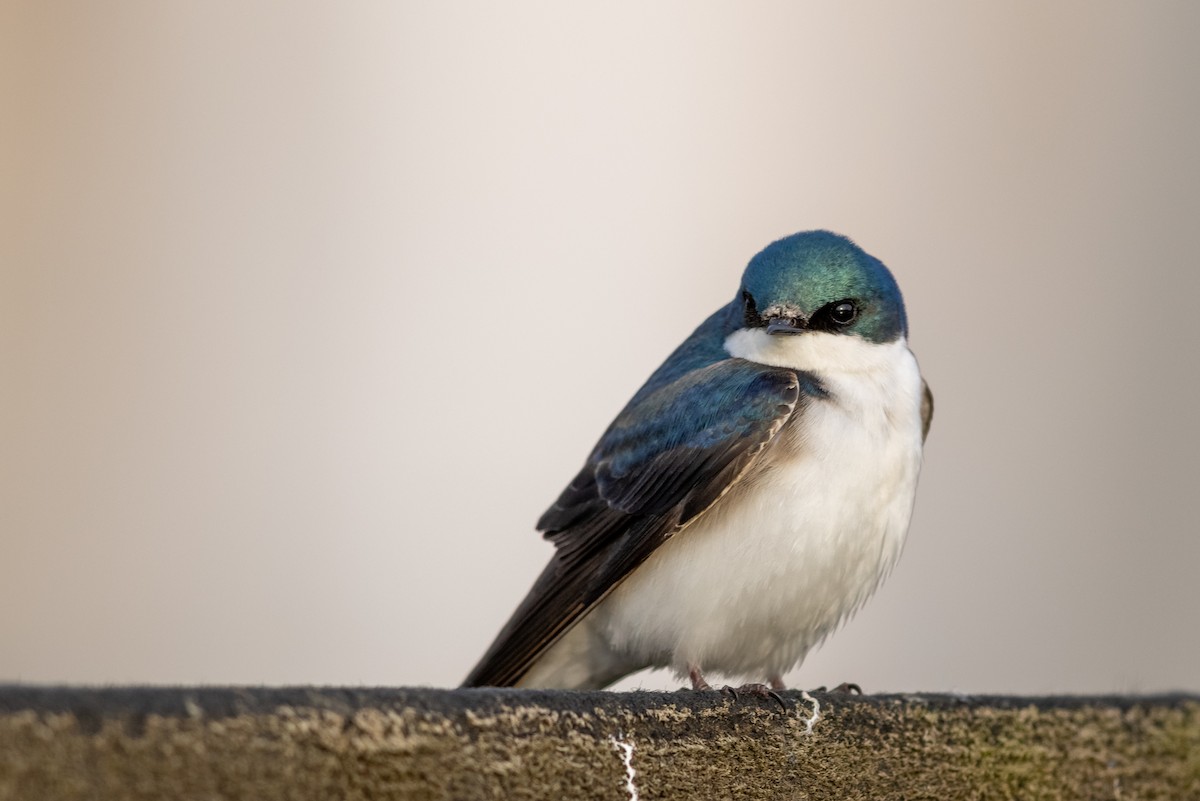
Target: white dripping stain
(810, 721)
(626, 750)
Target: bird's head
(807, 299)
(817, 281)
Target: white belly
(799, 545)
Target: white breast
(802, 541)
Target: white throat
(815, 351)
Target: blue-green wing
(666, 459)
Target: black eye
(750, 318)
(843, 313)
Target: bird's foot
(845, 688)
(757, 690)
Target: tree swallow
(748, 499)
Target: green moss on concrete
(484, 744)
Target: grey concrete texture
(320, 743)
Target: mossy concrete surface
(327, 743)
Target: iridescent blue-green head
(819, 281)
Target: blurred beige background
(308, 310)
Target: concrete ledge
(327, 743)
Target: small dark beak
(785, 325)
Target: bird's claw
(758, 690)
(845, 688)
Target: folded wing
(665, 460)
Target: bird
(747, 500)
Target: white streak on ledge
(816, 712)
(626, 750)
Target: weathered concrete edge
(379, 743)
(218, 701)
